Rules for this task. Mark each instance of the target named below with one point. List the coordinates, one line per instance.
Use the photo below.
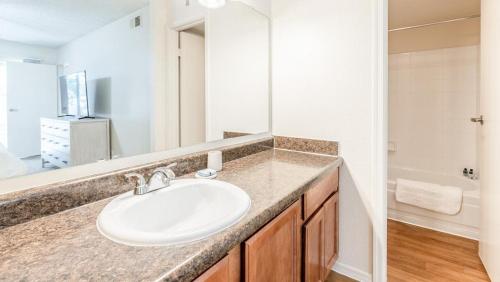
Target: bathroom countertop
(67, 246)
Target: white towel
(438, 198)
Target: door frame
(173, 91)
(181, 82)
(380, 139)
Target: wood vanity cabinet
(226, 270)
(273, 253)
(314, 232)
(300, 244)
(331, 212)
(321, 229)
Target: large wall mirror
(77, 87)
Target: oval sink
(186, 211)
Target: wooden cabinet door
(226, 270)
(217, 273)
(314, 231)
(273, 253)
(331, 251)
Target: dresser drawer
(317, 195)
(51, 142)
(60, 129)
(57, 158)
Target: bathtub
(465, 223)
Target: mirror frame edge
(93, 170)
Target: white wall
(325, 66)
(433, 94)
(159, 33)
(117, 61)
(13, 51)
(489, 245)
(237, 71)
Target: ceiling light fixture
(212, 4)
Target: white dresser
(70, 142)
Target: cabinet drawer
(60, 129)
(51, 142)
(57, 158)
(317, 195)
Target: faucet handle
(141, 181)
(169, 173)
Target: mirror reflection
(77, 87)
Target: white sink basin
(186, 211)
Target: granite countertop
(67, 246)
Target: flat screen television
(73, 95)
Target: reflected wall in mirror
(222, 69)
(79, 88)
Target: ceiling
(404, 13)
(52, 23)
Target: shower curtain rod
(435, 23)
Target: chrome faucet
(144, 187)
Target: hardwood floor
(418, 254)
(335, 277)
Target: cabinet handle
(479, 120)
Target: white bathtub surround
(430, 196)
(432, 95)
(465, 223)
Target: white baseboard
(352, 272)
(434, 224)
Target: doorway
(191, 85)
(433, 191)
(30, 93)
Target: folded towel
(434, 197)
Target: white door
(191, 89)
(31, 94)
(489, 246)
